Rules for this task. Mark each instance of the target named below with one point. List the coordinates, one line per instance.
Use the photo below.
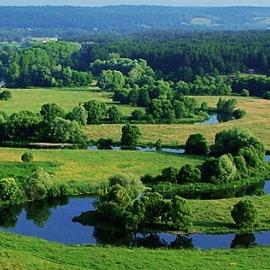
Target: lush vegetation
(19, 253)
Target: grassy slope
(33, 99)
(20, 253)
(214, 216)
(256, 120)
(89, 166)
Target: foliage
(197, 145)
(5, 95)
(189, 174)
(96, 111)
(104, 144)
(169, 174)
(78, 114)
(27, 157)
(114, 115)
(9, 190)
(50, 111)
(245, 93)
(111, 80)
(244, 214)
(130, 136)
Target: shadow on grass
(19, 169)
(214, 224)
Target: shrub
(8, 189)
(50, 111)
(78, 114)
(27, 157)
(245, 93)
(266, 95)
(137, 115)
(5, 95)
(197, 145)
(105, 144)
(244, 214)
(204, 107)
(114, 115)
(169, 174)
(238, 114)
(189, 174)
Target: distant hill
(130, 19)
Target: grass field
(214, 216)
(257, 121)
(33, 99)
(89, 166)
(21, 253)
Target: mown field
(84, 166)
(21, 253)
(257, 121)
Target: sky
(137, 2)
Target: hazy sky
(138, 2)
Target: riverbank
(20, 253)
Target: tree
(9, 189)
(189, 174)
(169, 174)
(219, 170)
(23, 125)
(244, 214)
(137, 115)
(161, 109)
(266, 95)
(196, 144)
(78, 114)
(27, 157)
(50, 111)
(37, 185)
(232, 140)
(204, 106)
(96, 111)
(130, 136)
(65, 131)
(105, 144)
(114, 115)
(180, 109)
(180, 214)
(111, 80)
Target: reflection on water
(212, 120)
(53, 221)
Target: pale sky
(138, 2)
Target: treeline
(44, 65)
(185, 56)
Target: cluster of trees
(226, 110)
(44, 65)
(235, 155)
(38, 186)
(125, 208)
(50, 125)
(256, 85)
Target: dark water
(53, 221)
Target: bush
(5, 95)
(50, 111)
(114, 115)
(105, 144)
(8, 189)
(189, 174)
(204, 107)
(27, 157)
(245, 93)
(244, 214)
(238, 114)
(197, 145)
(266, 95)
(169, 175)
(78, 114)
